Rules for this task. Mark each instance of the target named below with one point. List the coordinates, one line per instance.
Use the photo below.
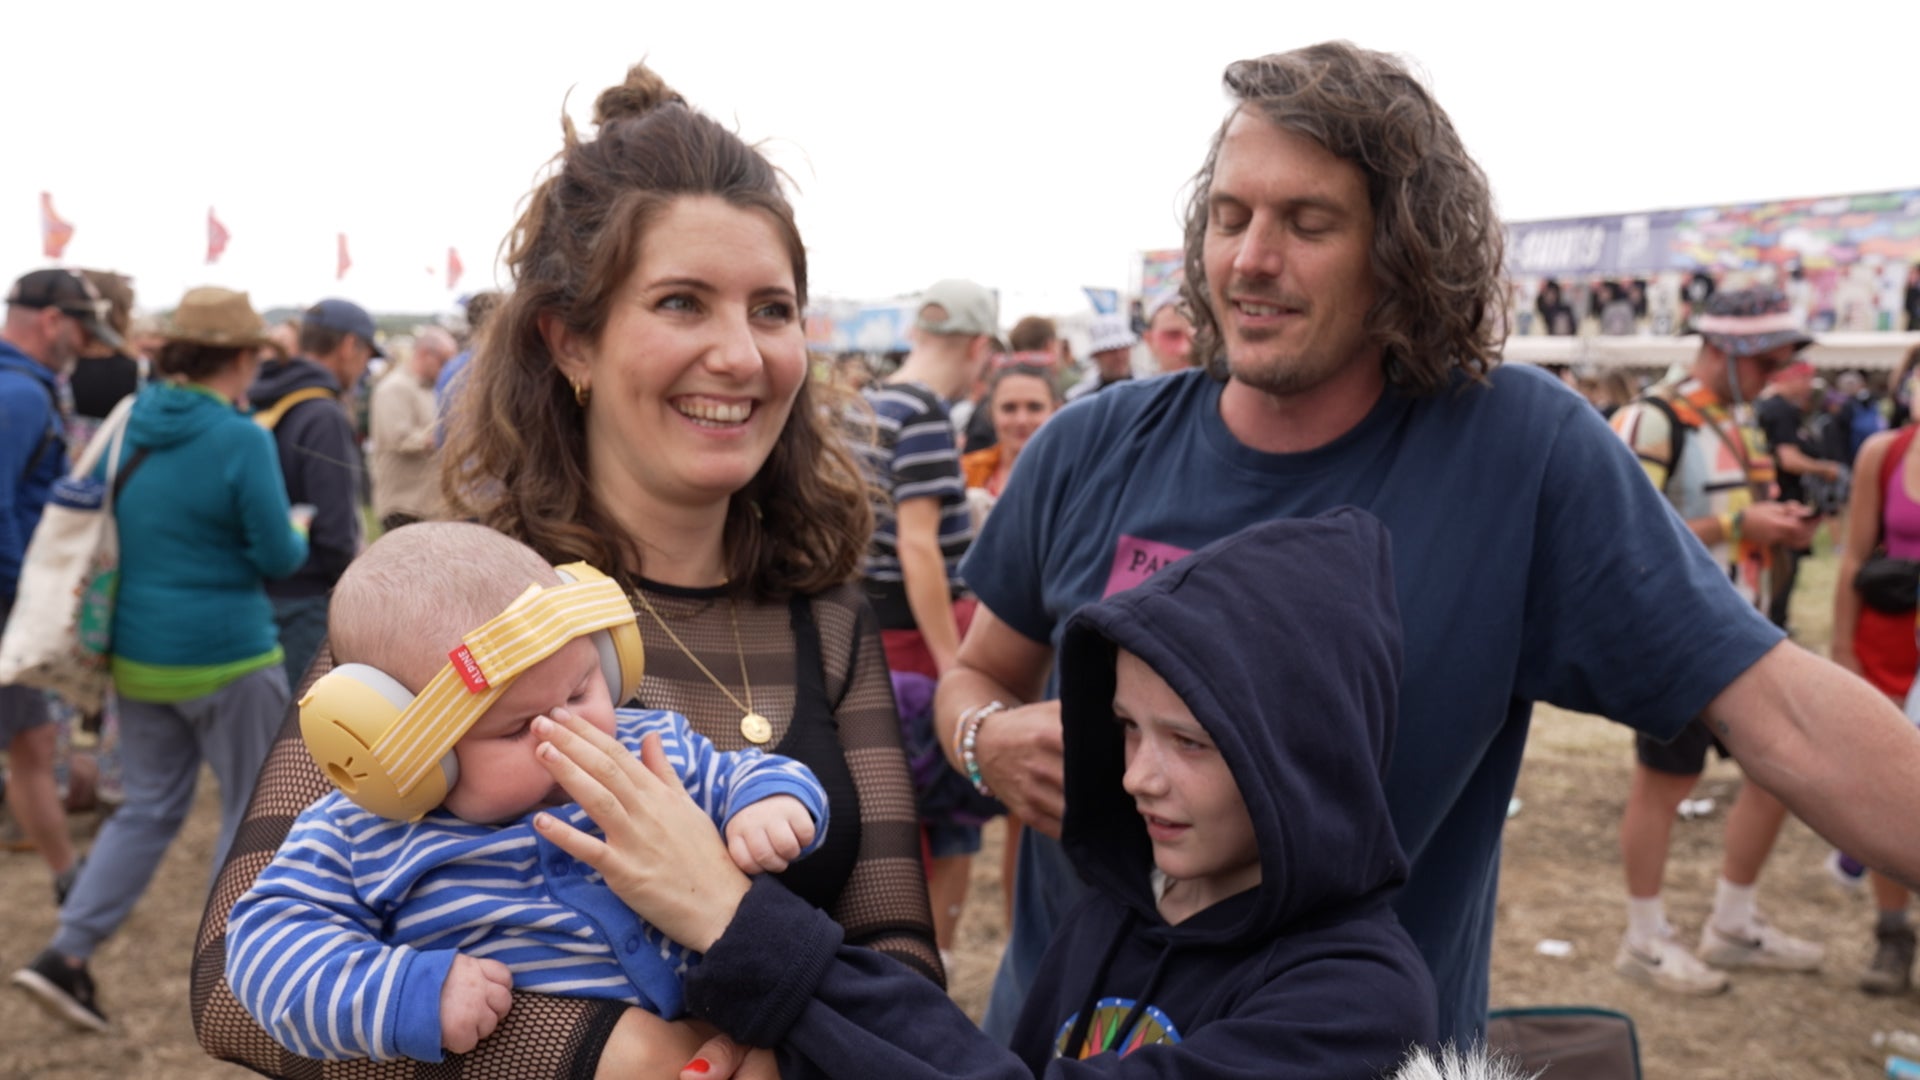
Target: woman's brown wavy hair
(1437, 245)
(516, 449)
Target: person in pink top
(1879, 645)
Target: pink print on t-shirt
(1135, 560)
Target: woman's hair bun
(643, 92)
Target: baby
(374, 937)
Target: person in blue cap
(299, 399)
(51, 317)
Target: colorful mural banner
(1159, 269)
(1813, 234)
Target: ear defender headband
(380, 745)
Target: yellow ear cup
(352, 716)
(341, 718)
(622, 656)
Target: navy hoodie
(1284, 641)
(320, 459)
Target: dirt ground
(1560, 881)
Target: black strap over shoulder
(1676, 437)
(133, 462)
(813, 739)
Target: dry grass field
(1561, 880)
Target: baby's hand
(473, 1001)
(769, 834)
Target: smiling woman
(640, 402)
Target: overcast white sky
(1032, 146)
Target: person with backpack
(1697, 441)
(51, 317)
(300, 400)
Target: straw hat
(221, 318)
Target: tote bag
(59, 635)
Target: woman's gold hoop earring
(582, 391)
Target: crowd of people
(600, 753)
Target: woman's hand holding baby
(769, 835)
(473, 1001)
(661, 855)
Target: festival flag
(345, 262)
(454, 269)
(54, 231)
(217, 238)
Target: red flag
(454, 269)
(217, 238)
(54, 231)
(344, 262)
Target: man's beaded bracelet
(965, 736)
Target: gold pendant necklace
(754, 727)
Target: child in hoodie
(1227, 726)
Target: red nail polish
(698, 1065)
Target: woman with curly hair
(641, 401)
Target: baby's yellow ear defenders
(391, 752)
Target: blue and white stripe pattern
(913, 457)
(341, 947)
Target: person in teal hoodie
(203, 521)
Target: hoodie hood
(167, 413)
(278, 378)
(1284, 640)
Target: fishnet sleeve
(542, 1036)
(884, 906)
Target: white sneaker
(1665, 964)
(1760, 947)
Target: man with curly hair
(1344, 271)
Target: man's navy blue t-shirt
(1533, 561)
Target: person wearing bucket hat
(1697, 441)
(1110, 340)
(51, 316)
(299, 399)
(196, 655)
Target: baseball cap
(970, 309)
(345, 316)
(1109, 332)
(1747, 322)
(73, 294)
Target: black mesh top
(868, 877)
